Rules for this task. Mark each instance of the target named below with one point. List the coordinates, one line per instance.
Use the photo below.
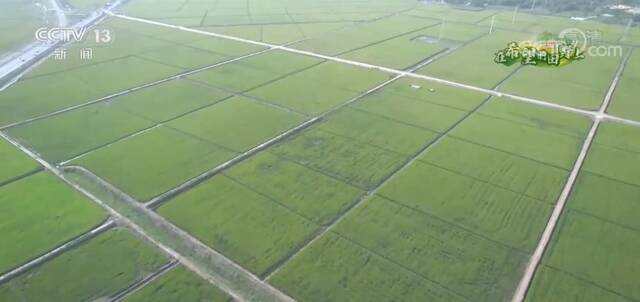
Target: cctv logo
(58, 34)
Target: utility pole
(626, 30)
(493, 21)
(515, 12)
(533, 5)
(45, 19)
(442, 28)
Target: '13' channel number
(103, 35)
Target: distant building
(619, 7)
(582, 18)
(635, 11)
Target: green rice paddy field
(581, 84)
(39, 213)
(179, 284)
(15, 164)
(479, 54)
(593, 256)
(399, 227)
(330, 190)
(625, 102)
(95, 270)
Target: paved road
(31, 55)
(191, 252)
(60, 14)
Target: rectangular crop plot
(451, 14)
(625, 99)
(91, 127)
(39, 213)
(490, 211)
(184, 57)
(14, 163)
(431, 92)
(479, 54)
(598, 251)
(465, 263)
(141, 167)
(311, 194)
(328, 89)
(224, 47)
(32, 97)
(609, 32)
(289, 33)
(244, 31)
(535, 24)
(607, 199)
(178, 284)
(249, 228)
(537, 116)
(279, 33)
(632, 37)
(532, 142)
(400, 53)
(412, 48)
(580, 84)
(255, 71)
(239, 123)
(595, 247)
(169, 100)
(94, 271)
(336, 269)
(378, 131)
(78, 131)
(363, 34)
(551, 284)
(504, 170)
(419, 106)
(356, 163)
(616, 153)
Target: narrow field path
(157, 201)
(166, 121)
(62, 17)
(492, 92)
(132, 89)
(57, 251)
(406, 164)
(195, 256)
(190, 251)
(123, 294)
(534, 262)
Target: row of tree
(583, 7)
